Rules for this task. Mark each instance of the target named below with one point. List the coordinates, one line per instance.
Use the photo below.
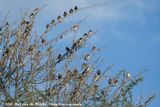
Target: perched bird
(43, 41)
(96, 77)
(99, 72)
(59, 18)
(113, 82)
(31, 15)
(36, 10)
(88, 69)
(84, 65)
(87, 57)
(47, 26)
(1, 28)
(59, 76)
(7, 24)
(65, 14)
(96, 87)
(90, 32)
(59, 57)
(75, 8)
(75, 71)
(94, 48)
(49, 49)
(75, 27)
(128, 75)
(70, 55)
(85, 36)
(71, 11)
(53, 21)
(110, 81)
(7, 51)
(68, 49)
(61, 36)
(26, 23)
(80, 41)
(31, 48)
(48, 92)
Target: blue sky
(131, 28)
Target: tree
(32, 72)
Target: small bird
(90, 32)
(49, 49)
(68, 49)
(96, 87)
(31, 15)
(80, 41)
(77, 44)
(110, 81)
(96, 77)
(94, 48)
(59, 76)
(76, 8)
(71, 11)
(7, 51)
(59, 18)
(128, 75)
(65, 14)
(36, 10)
(61, 36)
(7, 24)
(52, 21)
(75, 71)
(113, 82)
(1, 28)
(27, 22)
(31, 48)
(84, 65)
(43, 41)
(99, 72)
(87, 57)
(85, 36)
(59, 57)
(47, 26)
(75, 27)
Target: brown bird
(94, 48)
(85, 36)
(67, 49)
(52, 21)
(76, 8)
(75, 27)
(90, 32)
(59, 18)
(59, 76)
(47, 26)
(59, 56)
(43, 41)
(87, 57)
(31, 15)
(99, 72)
(71, 11)
(65, 14)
